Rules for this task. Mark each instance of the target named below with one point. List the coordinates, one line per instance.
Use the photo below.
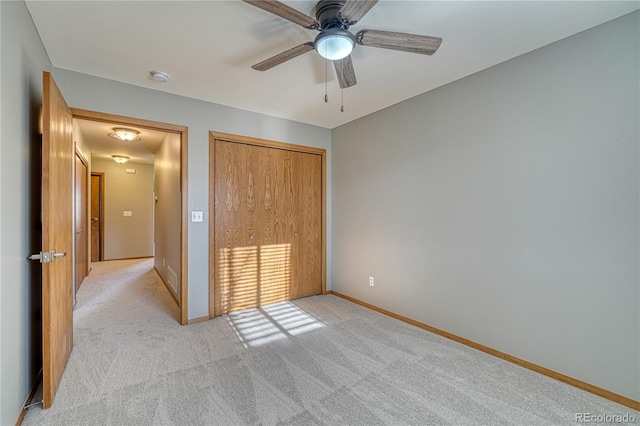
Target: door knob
(94, 219)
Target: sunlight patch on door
(259, 326)
(254, 276)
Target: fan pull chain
(342, 92)
(326, 81)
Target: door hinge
(47, 256)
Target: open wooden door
(80, 205)
(97, 213)
(57, 237)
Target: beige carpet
(319, 360)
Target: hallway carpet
(313, 361)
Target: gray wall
(98, 94)
(504, 207)
(167, 215)
(127, 237)
(23, 60)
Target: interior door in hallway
(57, 237)
(267, 231)
(80, 203)
(97, 221)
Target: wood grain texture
(353, 10)
(29, 400)
(198, 319)
(308, 242)
(286, 12)
(184, 234)
(97, 211)
(57, 234)
(267, 238)
(412, 43)
(612, 396)
(345, 72)
(283, 57)
(229, 137)
(213, 208)
(104, 117)
(81, 221)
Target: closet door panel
(235, 255)
(267, 244)
(308, 246)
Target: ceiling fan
(335, 42)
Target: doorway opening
(110, 202)
(97, 216)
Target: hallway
(121, 286)
(122, 319)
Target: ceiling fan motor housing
(327, 14)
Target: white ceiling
(208, 48)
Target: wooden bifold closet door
(268, 225)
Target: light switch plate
(127, 213)
(196, 216)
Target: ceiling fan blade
(283, 57)
(424, 45)
(286, 12)
(353, 10)
(345, 72)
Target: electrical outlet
(371, 282)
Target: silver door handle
(94, 219)
(43, 257)
(47, 256)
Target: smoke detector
(159, 76)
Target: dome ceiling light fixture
(125, 134)
(335, 43)
(120, 159)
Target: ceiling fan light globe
(335, 44)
